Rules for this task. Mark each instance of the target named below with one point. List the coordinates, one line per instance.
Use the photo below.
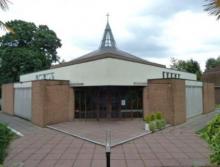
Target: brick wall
(212, 76)
(208, 97)
(8, 98)
(217, 95)
(169, 97)
(166, 96)
(52, 102)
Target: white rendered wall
(194, 98)
(107, 71)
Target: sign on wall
(49, 76)
(123, 102)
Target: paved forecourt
(43, 147)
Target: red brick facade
(52, 102)
(213, 76)
(8, 98)
(166, 96)
(208, 97)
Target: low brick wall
(208, 97)
(52, 102)
(217, 95)
(166, 96)
(169, 97)
(8, 98)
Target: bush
(147, 119)
(160, 124)
(152, 117)
(211, 134)
(158, 116)
(163, 122)
(155, 121)
(6, 135)
(152, 126)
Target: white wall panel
(194, 101)
(107, 71)
(22, 102)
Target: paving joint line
(96, 142)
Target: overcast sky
(155, 30)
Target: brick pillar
(39, 102)
(208, 97)
(145, 101)
(8, 98)
(168, 97)
(52, 102)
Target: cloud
(154, 30)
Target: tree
(212, 63)
(4, 6)
(31, 48)
(213, 7)
(191, 66)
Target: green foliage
(155, 121)
(212, 63)
(158, 116)
(211, 133)
(152, 117)
(158, 124)
(152, 126)
(30, 48)
(191, 66)
(147, 119)
(163, 122)
(215, 146)
(6, 135)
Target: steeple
(108, 40)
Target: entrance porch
(108, 102)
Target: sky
(155, 30)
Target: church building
(108, 82)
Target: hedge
(6, 136)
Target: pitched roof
(107, 49)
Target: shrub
(152, 126)
(6, 135)
(147, 118)
(152, 117)
(215, 147)
(163, 123)
(211, 134)
(158, 116)
(158, 124)
(155, 121)
(212, 128)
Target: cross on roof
(108, 40)
(107, 16)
